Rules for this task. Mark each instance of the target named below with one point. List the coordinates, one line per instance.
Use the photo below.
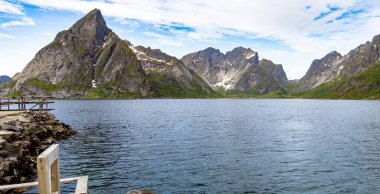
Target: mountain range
(4, 79)
(90, 61)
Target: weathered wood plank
(43, 171)
(82, 185)
(51, 154)
(33, 184)
(49, 176)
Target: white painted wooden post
(49, 176)
(48, 171)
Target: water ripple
(223, 146)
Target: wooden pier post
(48, 171)
(49, 177)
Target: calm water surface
(223, 145)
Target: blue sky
(292, 32)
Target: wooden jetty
(49, 180)
(30, 103)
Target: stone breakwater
(23, 136)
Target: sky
(292, 32)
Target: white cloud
(164, 40)
(9, 8)
(127, 22)
(204, 34)
(25, 21)
(3, 36)
(291, 22)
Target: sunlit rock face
(335, 66)
(239, 69)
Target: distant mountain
(168, 75)
(259, 80)
(334, 66)
(89, 60)
(4, 79)
(320, 71)
(239, 69)
(365, 84)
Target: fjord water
(223, 145)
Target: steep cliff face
(335, 66)
(274, 70)
(320, 71)
(362, 85)
(239, 69)
(255, 78)
(84, 57)
(92, 61)
(221, 69)
(71, 56)
(168, 75)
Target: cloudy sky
(291, 32)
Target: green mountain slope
(364, 85)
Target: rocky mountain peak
(211, 50)
(89, 59)
(274, 70)
(93, 18)
(238, 69)
(319, 65)
(376, 39)
(332, 56)
(243, 54)
(92, 25)
(320, 71)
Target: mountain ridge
(4, 79)
(89, 60)
(335, 66)
(227, 70)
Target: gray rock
(274, 70)
(89, 56)
(155, 61)
(87, 52)
(4, 153)
(320, 71)
(230, 70)
(335, 66)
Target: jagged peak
(376, 38)
(333, 54)
(268, 62)
(264, 60)
(91, 27)
(244, 52)
(242, 49)
(211, 49)
(92, 18)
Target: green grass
(107, 91)
(165, 86)
(49, 87)
(364, 85)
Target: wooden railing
(49, 181)
(36, 103)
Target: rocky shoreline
(23, 136)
